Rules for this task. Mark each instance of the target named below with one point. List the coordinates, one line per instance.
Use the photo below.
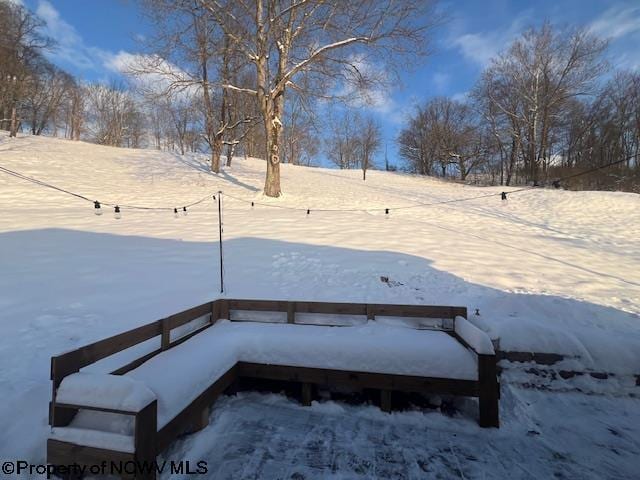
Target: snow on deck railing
(180, 327)
(473, 336)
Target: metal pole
(220, 240)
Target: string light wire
(82, 197)
(308, 210)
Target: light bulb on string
(386, 213)
(175, 213)
(116, 213)
(97, 209)
(184, 211)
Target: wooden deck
(149, 441)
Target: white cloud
(70, 47)
(616, 22)
(122, 61)
(621, 25)
(440, 81)
(481, 47)
(462, 97)
(400, 114)
(152, 74)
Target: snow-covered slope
(549, 271)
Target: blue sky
(94, 35)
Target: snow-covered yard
(549, 271)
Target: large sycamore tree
(331, 42)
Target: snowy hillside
(550, 271)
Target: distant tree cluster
(441, 135)
(546, 107)
(353, 141)
(38, 97)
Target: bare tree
(604, 131)
(76, 104)
(21, 44)
(443, 134)
(45, 93)
(534, 81)
(537, 113)
(415, 144)
(300, 134)
(113, 117)
(190, 53)
(369, 142)
(285, 40)
(341, 143)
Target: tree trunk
(512, 160)
(14, 122)
(216, 151)
(230, 151)
(272, 180)
(273, 129)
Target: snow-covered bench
(136, 411)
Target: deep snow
(549, 271)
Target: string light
(184, 211)
(117, 213)
(175, 212)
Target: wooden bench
(175, 368)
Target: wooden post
(385, 400)
(215, 311)
(201, 421)
(220, 241)
(166, 334)
(291, 312)
(59, 369)
(146, 436)
(370, 312)
(488, 391)
(224, 308)
(306, 394)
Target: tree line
(262, 78)
(39, 97)
(547, 107)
